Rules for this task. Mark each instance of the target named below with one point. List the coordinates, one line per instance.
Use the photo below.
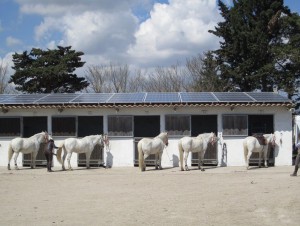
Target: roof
(142, 99)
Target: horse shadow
(205, 167)
(152, 168)
(109, 160)
(175, 161)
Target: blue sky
(143, 33)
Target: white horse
(147, 146)
(84, 145)
(26, 146)
(251, 144)
(195, 144)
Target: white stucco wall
(121, 151)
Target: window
(235, 125)
(260, 124)
(90, 125)
(10, 127)
(178, 125)
(120, 126)
(152, 123)
(63, 126)
(34, 125)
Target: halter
(105, 140)
(273, 140)
(212, 140)
(46, 137)
(270, 141)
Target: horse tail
(180, 148)
(141, 156)
(58, 154)
(10, 153)
(245, 150)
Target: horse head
(272, 139)
(104, 140)
(45, 137)
(164, 137)
(212, 138)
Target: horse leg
(181, 160)
(266, 157)
(144, 165)
(33, 159)
(156, 159)
(259, 159)
(88, 157)
(63, 160)
(248, 160)
(69, 155)
(200, 163)
(10, 155)
(186, 155)
(159, 160)
(15, 159)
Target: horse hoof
(202, 169)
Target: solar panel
(127, 98)
(58, 98)
(232, 97)
(268, 97)
(162, 98)
(92, 98)
(24, 98)
(4, 97)
(198, 97)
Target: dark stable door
(205, 124)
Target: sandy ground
(126, 196)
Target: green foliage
(48, 71)
(260, 45)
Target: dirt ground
(126, 196)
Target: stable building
(128, 117)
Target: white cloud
(108, 30)
(11, 41)
(175, 31)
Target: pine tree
(258, 44)
(48, 71)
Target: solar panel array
(142, 98)
(162, 98)
(126, 98)
(198, 97)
